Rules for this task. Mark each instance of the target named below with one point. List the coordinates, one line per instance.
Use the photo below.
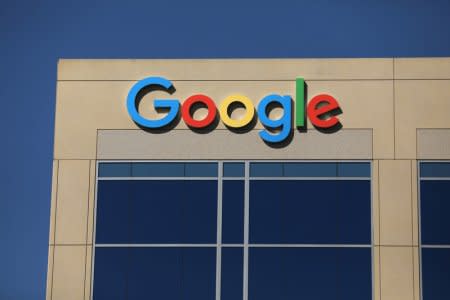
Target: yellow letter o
(245, 120)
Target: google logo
(321, 110)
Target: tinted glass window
(265, 211)
(199, 273)
(174, 211)
(232, 273)
(302, 223)
(200, 211)
(287, 273)
(233, 170)
(155, 273)
(266, 169)
(201, 170)
(435, 273)
(435, 208)
(114, 170)
(157, 170)
(310, 169)
(110, 275)
(113, 211)
(435, 229)
(157, 211)
(310, 212)
(435, 169)
(233, 212)
(310, 273)
(353, 169)
(354, 211)
(291, 211)
(354, 281)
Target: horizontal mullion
(235, 245)
(435, 178)
(436, 246)
(310, 246)
(235, 178)
(309, 178)
(158, 178)
(154, 245)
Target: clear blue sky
(35, 34)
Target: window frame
(247, 178)
(422, 246)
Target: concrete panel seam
(54, 228)
(393, 103)
(87, 229)
(240, 80)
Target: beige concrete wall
(403, 103)
(71, 229)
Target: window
(434, 185)
(233, 230)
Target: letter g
(172, 104)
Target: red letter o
(186, 111)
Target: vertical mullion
(246, 229)
(372, 230)
(219, 231)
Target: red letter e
(329, 106)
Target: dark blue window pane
(265, 274)
(201, 170)
(199, 213)
(435, 274)
(266, 169)
(265, 211)
(174, 211)
(310, 169)
(110, 276)
(291, 211)
(157, 169)
(157, 211)
(113, 211)
(199, 274)
(233, 169)
(354, 169)
(309, 212)
(233, 212)
(310, 273)
(354, 212)
(155, 273)
(292, 273)
(437, 169)
(435, 208)
(354, 280)
(114, 170)
(232, 273)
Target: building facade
(351, 209)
